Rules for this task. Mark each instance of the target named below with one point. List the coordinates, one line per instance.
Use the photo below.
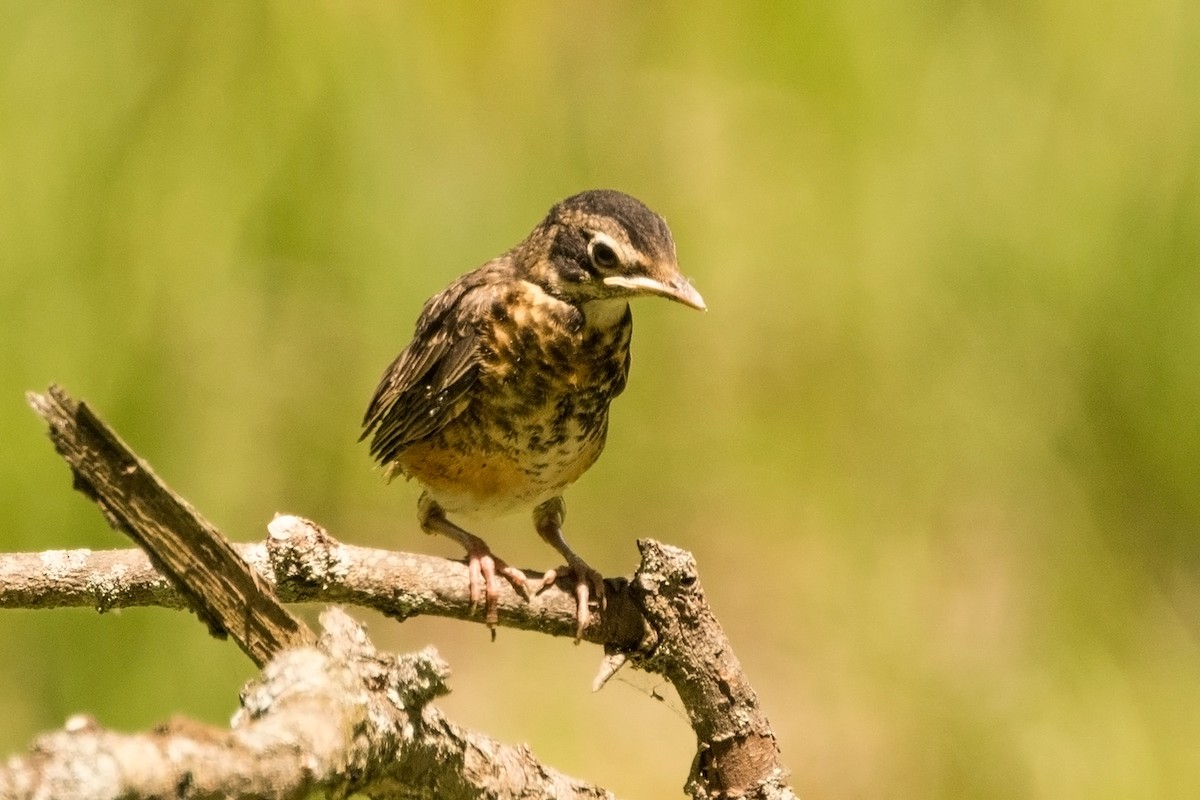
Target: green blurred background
(935, 445)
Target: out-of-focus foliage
(935, 445)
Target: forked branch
(658, 621)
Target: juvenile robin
(500, 401)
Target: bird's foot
(588, 586)
(484, 571)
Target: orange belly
(493, 481)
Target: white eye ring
(603, 253)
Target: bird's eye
(603, 256)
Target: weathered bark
(336, 717)
(303, 563)
(658, 621)
(185, 547)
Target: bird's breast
(537, 416)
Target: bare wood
(304, 563)
(678, 638)
(659, 621)
(337, 718)
(737, 755)
(185, 547)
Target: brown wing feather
(420, 392)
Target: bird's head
(603, 245)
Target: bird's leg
(548, 519)
(483, 566)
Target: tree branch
(658, 621)
(184, 546)
(304, 563)
(337, 717)
(736, 754)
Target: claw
(548, 518)
(589, 584)
(484, 570)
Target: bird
(500, 400)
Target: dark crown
(647, 231)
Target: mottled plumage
(500, 401)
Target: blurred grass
(935, 445)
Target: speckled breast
(537, 416)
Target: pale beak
(677, 289)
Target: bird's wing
(421, 391)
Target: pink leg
(548, 519)
(484, 568)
